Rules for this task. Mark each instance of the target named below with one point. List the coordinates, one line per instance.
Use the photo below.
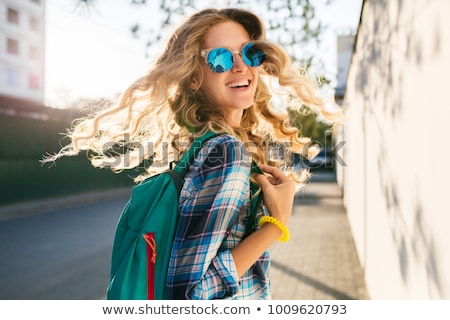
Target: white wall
(396, 179)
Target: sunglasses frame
(205, 52)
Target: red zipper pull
(149, 238)
(151, 260)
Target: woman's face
(233, 91)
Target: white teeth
(238, 84)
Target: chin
(246, 103)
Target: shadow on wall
(382, 49)
(417, 244)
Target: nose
(239, 63)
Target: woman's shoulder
(226, 143)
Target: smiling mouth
(239, 84)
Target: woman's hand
(278, 192)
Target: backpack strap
(189, 155)
(256, 198)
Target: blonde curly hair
(159, 113)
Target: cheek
(206, 88)
(255, 73)
(209, 91)
(211, 83)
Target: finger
(262, 180)
(272, 180)
(274, 171)
(267, 168)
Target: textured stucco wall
(396, 176)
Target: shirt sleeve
(215, 191)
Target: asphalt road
(61, 254)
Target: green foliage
(311, 127)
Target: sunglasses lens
(220, 60)
(252, 55)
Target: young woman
(213, 75)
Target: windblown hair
(160, 111)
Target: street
(59, 254)
(64, 254)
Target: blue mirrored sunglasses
(222, 59)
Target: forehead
(228, 34)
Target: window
(34, 53)
(33, 81)
(12, 46)
(13, 16)
(12, 77)
(35, 25)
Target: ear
(194, 85)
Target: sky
(90, 53)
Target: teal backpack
(146, 229)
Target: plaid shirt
(215, 205)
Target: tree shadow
(339, 295)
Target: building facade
(345, 46)
(395, 182)
(22, 49)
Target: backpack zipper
(151, 260)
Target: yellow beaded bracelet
(285, 236)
